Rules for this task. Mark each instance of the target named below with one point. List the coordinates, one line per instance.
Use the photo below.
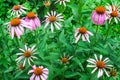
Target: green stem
(80, 5)
(17, 41)
(109, 26)
(96, 30)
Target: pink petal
(30, 71)
(34, 67)
(12, 32)
(32, 24)
(83, 38)
(37, 78)
(90, 33)
(17, 33)
(32, 77)
(37, 21)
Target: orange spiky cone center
(31, 15)
(82, 30)
(114, 14)
(17, 7)
(27, 54)
(64, 60)
(100, 64)
(100, 10)
(52, 18)
(15, 22)
(38, 71)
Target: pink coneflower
(18, 10)
(26, 55)
(113, 12)
(33, 20)
(53, 19)
(82, 32)
(99, 15)
(39, 73)
(99, 64)
(15, 26)
(65, 59)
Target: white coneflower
(39, 73)
(15, 26)
(113, 12)
(62, 2)
(99, 64)
(27, 55)
(53, 19)
(65, 59)
(82, 32)
(18, 10)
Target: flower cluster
(18, 24)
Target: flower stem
(109, 26)
(17, 41)
(80, 9)
(96, 30)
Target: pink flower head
(82, 32)
(15, 26)
(39, 73)
(113, 12)
(33, 20)
(99, 15)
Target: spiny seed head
(82, 30)
(52, 18)
(21, 67)
(27, 54)
(38, 71)
(100, 64)
(15, 22)
(113, 73)
(16, 7)
(31, 15)
(64, 60)
(114, 14)
(100, 10)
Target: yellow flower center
(100, 64)
(38, 71)
(114, 14)
(17, 7)
(82, 30)
(15, 22)
(47, 3)
(52, 18)
(31, 15)
(64, 60)
(100, 10)
(27, 54)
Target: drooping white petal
(91, 65)
(94, 70)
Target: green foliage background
(51, 46)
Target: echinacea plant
(39, 73)
(99, 15)
(18, 10)
(99, 64)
